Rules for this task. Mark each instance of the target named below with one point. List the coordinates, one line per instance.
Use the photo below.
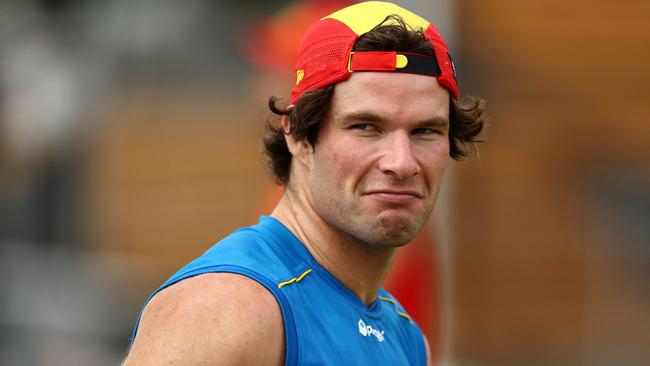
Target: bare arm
(211, 319)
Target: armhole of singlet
(423, 348)
(290, 333)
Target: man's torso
(325, 323)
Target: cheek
(327, 170)
(342, 158)
(435, 162)
(340, 169)
(440, 160)
(433, 151)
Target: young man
(362, 150)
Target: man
(362, 149)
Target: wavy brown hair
(467, 117)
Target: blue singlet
(324, 322)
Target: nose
(398, 159)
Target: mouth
(394, 195)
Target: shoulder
(214, 318)
(257, 249)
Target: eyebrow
(373, 117)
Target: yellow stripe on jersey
(361, 18)
(295, 279)
(400, 313)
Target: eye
(363, 127)
(429, 133)
(424, 131)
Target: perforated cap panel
(326, 47)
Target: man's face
(380, 157)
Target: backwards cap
(326, 57)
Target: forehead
(394, 96)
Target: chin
(396, 232)
(380, 235)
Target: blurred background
(129, 144)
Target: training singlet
(325, 323)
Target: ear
(300, 149)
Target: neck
(359, 266)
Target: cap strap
(393, 61)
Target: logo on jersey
(367, 330)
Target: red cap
(325, 54)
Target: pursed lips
(394, 195)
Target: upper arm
(216, 318)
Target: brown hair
(467, 117)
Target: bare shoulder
(215, 318)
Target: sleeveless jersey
(325, 323)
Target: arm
(215, 319)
